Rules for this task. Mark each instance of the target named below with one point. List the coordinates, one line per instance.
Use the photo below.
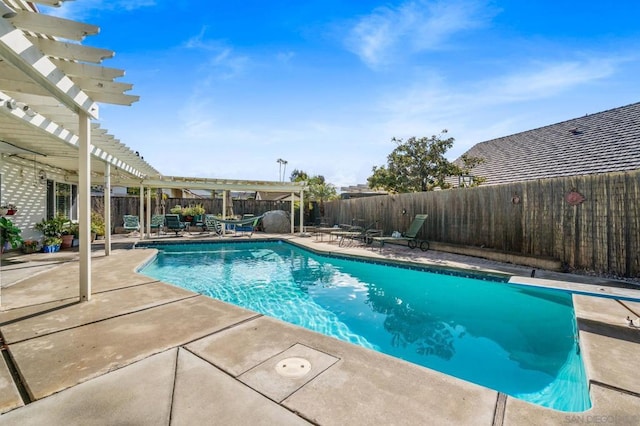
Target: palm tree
(321, 192)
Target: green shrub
(53, 227)
(9, 233)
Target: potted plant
(9, 234)
(67, 236)
(51, 244)
(74, 230)
(30, 246)
(8, 210)
(177, 209)
(192, 212)
(97, 225)
(52, 229)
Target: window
(62, 198)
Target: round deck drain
(293, 367)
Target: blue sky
(227, 88)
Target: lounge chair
(211, 224)
(348, 237)
(157, 223)
(131, 223)
(172, 222)
(246, 225)
(410, 235)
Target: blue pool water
(517, 340)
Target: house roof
(361, 188)
(604, 142)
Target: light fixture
(28, 111)
(6, 12)
(465, 181)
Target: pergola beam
(53, 26)
(71, 51)
(75, 69)
(16, 48)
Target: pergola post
(107, 209)
(84, 204)
(293, 212)
(147, 220)
(301, 212)
(141, 214)
(224, 205)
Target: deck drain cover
(293, 367)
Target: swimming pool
(521, 341)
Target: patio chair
(211, 224)
(410, 235)
(157, 223)
(131, 223)
(357, 233)
(172, 222)
(248, 228)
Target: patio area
(146, 352)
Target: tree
(319, 190)
(298, 176)
(418, 165)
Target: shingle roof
(604, 142)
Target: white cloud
(414, 26)
(285, 57)
(437, 98)
(223, 62)
(549, 79)
(492, 107)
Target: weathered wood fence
(534, 218)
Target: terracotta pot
(67, 241)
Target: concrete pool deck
(146, 352)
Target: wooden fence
(541, 218)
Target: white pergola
(224, 185)
(50, 87)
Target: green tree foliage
(418, 164)
(319, 190)
(298, 176)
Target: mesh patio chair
(172, 222)
(410, 235)
(157, 223)
(131, 223)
